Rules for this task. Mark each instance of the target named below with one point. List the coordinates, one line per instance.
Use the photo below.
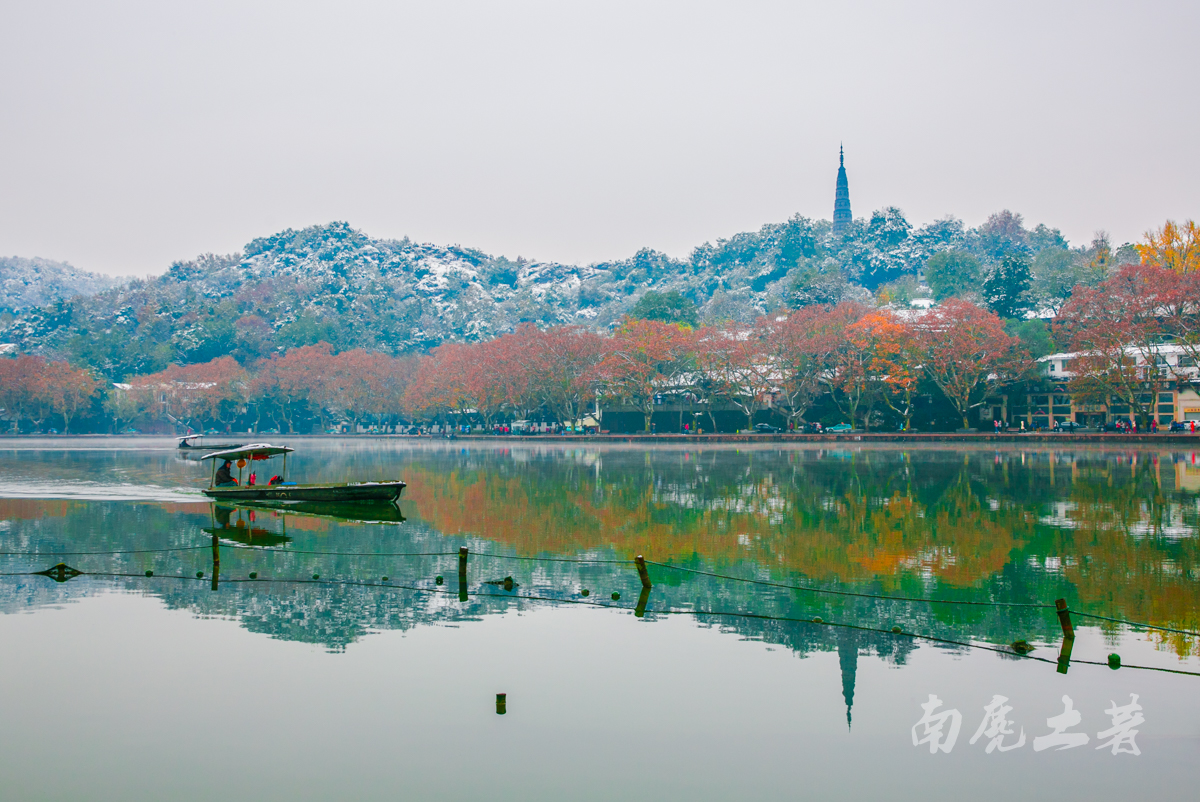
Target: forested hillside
(26, 283)
(335, 284)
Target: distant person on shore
(224, 477)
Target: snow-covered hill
(336, 284)
(26, 283)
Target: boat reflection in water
(240, 526)
(242, 523)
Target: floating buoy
(199, 575)
(584, 592)
(254, 574)
(316, 576)
(818, 620)
(1021, 647)
(385, 579)
(508, 583)
(149, 573)
(438, 579)
(616, 595)
(1114, 661)
(897, 630)
(501, 704)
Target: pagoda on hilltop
(841, 200)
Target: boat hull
(216, 447)
(357, 492)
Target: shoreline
(841, 437)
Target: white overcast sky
(133, 134)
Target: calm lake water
(717, 684)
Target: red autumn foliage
(967, 353)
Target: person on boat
(224, 477)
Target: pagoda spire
(841, 198)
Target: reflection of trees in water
(1106, 531)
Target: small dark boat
(285, 492)
(196, 442)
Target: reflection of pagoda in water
(848, 660)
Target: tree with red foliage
(33, 388)
(522, 369)
(966, 352)
(645, 357)
(16, 382)
(800, 343)
(564, 369)
(1116, 328)
(440, 383)
(212, 391)
(285, 384)
(737, 359)
(851, 373)
(68, 389)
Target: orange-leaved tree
(895, 358)
(849, 374)
(1173, 247)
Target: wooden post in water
(462, 573)
(1064, 619)
(640, 562)
(216, 561)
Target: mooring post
(216, 561)
(462, 573)
(501, 704)
(1064, 618)
(643, 597)
(640, 562)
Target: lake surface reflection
(763, 659)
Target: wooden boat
(286, 492)
(195, 442)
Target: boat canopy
(253, 451)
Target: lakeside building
(1168, 390)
